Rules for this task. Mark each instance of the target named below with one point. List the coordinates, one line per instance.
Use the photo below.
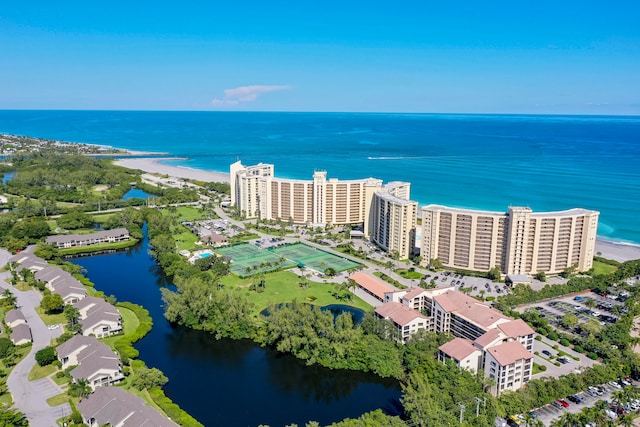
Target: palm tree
(9, 298)
(80, 388)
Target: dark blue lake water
(233, 383)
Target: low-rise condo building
(518, 241)
(485, 339)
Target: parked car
(557, 404)
(547, 353)
(575, 398)
(614, 384)
(564, 403)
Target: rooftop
(372, 284)
(509, 352)
(470, 308)
(458, 348)
(400, 314)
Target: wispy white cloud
(241, 94)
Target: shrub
(565, 342)
(542, 368)
(46, 356)
(553, 336)
(542, 331)
(578, 349)
(6, 347)
(592, 356)
(490, 298)
(538, 337)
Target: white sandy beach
(155, 165)
(616, 251)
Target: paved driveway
(30, 396)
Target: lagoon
(233, 383)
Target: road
(30, 397)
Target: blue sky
(546, 57)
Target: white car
(614, 384)
(52, 327)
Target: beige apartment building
(387, 214)
(518, 241)
(395, 217)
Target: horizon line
(320, 112)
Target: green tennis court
(313, 258)
(248, 259)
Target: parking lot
(585, 306)
(550, 412)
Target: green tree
(146, 378)
(46, 356)
(6, 347)
(569, 320)
(12, 418)
(74, 220)
(494, 273)
(30, 229)
(52, 303)
(80, 388)
(541, 276)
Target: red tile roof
(458, 348)
(487, 338)
(509, 352)
(413, 293)
(469, 308)
(516, 328)
(371, 284)
(400, 314)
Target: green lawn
(283, 286)
(129, 324)
(102, 218)
(51, 319)
(403, 272)
(58, 399)
(187, 213)
(602, 268)
(38, 372)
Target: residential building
(14, 317)
(372, 285)
(484, 338)
(518, 241)
(115, 407)
(406, 320)
(386, 213)
(65, 241)
(95, 361)
(21, 334)
(98, 317)
(394, 219)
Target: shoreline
(156, 165)
(606, 248)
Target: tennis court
(248, 259)
(313, 258)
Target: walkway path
(30, 397)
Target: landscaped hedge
(124, 345)
(172, 410)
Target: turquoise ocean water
(473, 161)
